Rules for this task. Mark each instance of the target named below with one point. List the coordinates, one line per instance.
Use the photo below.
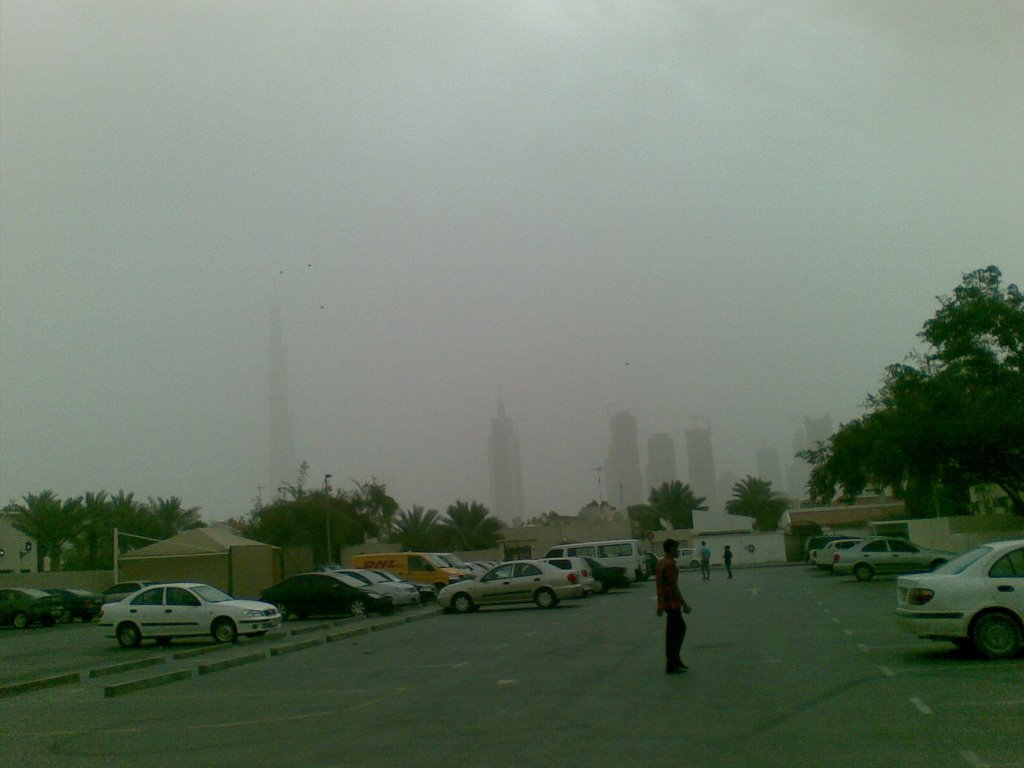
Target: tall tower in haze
(769, 468)
(799, 472)
(661, 461)
(701, 464)
(622, 467)
(281, 466)
(505, 469)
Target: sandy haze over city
(733, 214)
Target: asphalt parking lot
(787, 667)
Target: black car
(78, 603)
(606, 576)
(310, 594)
(22, 606)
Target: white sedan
(186, 609)
(976, 599)
(522, 581)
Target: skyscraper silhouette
(505, 468)
(661, 461)
(700, 462)
(622, 466)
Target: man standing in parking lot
(671, 603)
(705, 561)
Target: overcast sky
(736, 213)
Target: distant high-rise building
(769, 468)
(726, 481)
(816, 430)
(505, 468)
(700, 462)
(281, 454)
(622, 466)
(661, 461)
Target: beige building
(215, 555)
(17, 551)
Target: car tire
(863, 572)
(462, 603)
(357, 607)
(66, 618)
(284, 611)
(224, 631)
(128, 635)
(545, 598)
(996, 635)
(20, 620)
(163, 641)
(600, 587)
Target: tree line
(945, 419)
(77, 533)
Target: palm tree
(93, 545)
(470, 526)
(48, 520)
(676, 502)
(373, 501)
(753, 497)
(169, 517)
(417, 529)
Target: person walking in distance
(672, 604)
(705, 561)
(727, 557)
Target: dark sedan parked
(22, 606)
(78, 603)
(606, 576)
(312, 594)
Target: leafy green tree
(91, 549)
(48, 520)
(470, 526)
(675, 502)
(418, 529)
(953, 419)
(643, 518)
(371, 499)
(754, 497)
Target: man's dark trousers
(675, 632)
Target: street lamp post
(327, 514)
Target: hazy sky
(737, 212)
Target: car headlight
(376, 595)
(251, 612)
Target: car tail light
(572, 577)
(585, 573)
(835, 558)
(919, 596)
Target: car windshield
(211, 594)
(388, 576)
(360, 576)
(455, 560)
(32, 592)
(437, 561)
(965, 561)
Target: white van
(624, 553)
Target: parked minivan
(420, 567)
(623, 553)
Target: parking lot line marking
(973, 759)
(921, 706)
(460, 665)
(260, 721)
(864, 648)
(508, 682)
(886, 671)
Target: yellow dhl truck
(421, 567)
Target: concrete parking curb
(146, 682)
(386, 624)
(345, 634)
(293, 647)
(43, 682)
(235, 661)
(422, 616)
(126, 666)
(310, 628)
(178, 655)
